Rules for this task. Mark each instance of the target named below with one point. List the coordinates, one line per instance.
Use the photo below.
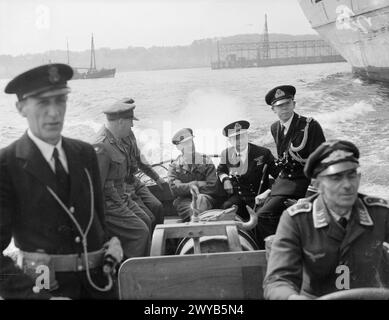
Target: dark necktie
(343, 222)
(62, 178)
(283, 130)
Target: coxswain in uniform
(244, 168)
(335, 240)
(51, 201)
(296, 137)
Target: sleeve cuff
(223, 176)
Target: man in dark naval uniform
(50, 199)
(124, 218)
(244, 168)
(334, 240)
(296, 137)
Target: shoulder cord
(84, 234)
(293, 151)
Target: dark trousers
(269, 216)
(241, 202)
(75, 285)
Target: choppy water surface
(206, 100)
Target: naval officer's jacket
(310, 245)
(247, 175)
(36, 221)
(303, 137)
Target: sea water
(206, 100)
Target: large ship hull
(357, 29)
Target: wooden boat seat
(219, 276)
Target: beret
(280, 95)
(332, 157)
(44, 81)
(182, 135)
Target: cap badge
(279, 93)
(337, 155)
(237, 126)
(54, 76)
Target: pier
(267, 53)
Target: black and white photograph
(194, 154)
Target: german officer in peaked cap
(337, 229)
(191, 168)
(244, 168)
(47, 184)
(124, 218)
(296, 137)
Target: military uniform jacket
(310, 245)
(136, 160)
(31, 215)
(114, 164)
(181, 173)
(303, 137)
(250, 172)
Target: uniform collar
(45, 148)
(287, 123)
(321, 216)
(337, 216)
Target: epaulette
(303, 206)
(100, 138)
(373, 201)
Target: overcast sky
(29, 26)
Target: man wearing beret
(244, 168)
(50, 199)
(191, 168)
(296, 137)
(140, 193)
(334, 240)
(124, 218)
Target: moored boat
(92, 72)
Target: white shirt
(286, 125)
(337, 217)
(47, 151)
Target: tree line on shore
(199, 53)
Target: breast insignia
(372, 201)
(299, 207)
(313, 256)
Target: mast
(266, 40)
(92, 56)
